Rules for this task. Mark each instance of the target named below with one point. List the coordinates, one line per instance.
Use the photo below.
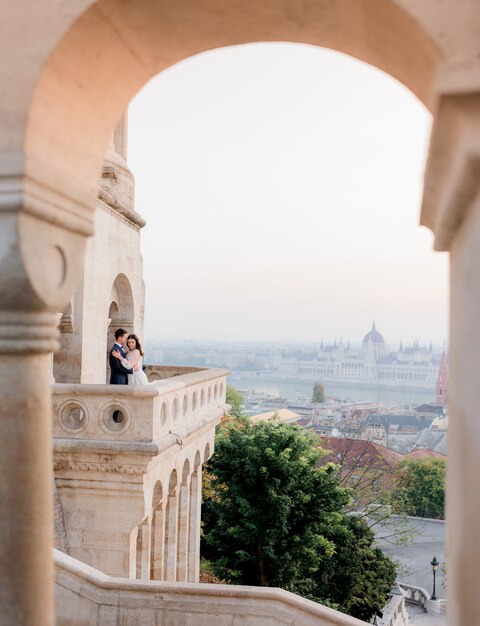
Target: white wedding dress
(139, 377)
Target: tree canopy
(420, 490)
(318, 393)
(235, 400)
(275, 516)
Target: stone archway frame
(68, 96)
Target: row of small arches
(173, 482)
(190, 403)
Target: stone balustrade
(144, 413)
(421, 597)
(395, 613)
(95, 598)
(415, 595)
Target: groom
(118, 373)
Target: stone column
(193, 572)
(42, 249)
(183, 528)
(26, 506)
(157, 543)
(171, 519)
(451, 208)
(143, 551)
(463, 488)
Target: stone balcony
(127, 465)
(177, 399)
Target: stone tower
(441, 387)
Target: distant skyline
(281, 185)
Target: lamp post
(434, 563)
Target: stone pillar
(157, 543)
(171, 529)
(463, 489)
(451, 208)
(143, 551)
(183, 528)
(193, 572)
(26, 506)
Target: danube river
(294, 390)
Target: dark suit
(118, 373)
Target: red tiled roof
(424, 453)
(360, 452)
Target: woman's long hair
(138, 345)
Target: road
(427, 540)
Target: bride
(133, 361)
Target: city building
(372, 363)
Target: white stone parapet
(128, 471)
(138, 413)
(103, 600)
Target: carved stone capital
(452, 178)
(42, 245)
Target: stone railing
(95, 598)
(145, 413)
(421, 597)
(395, 613)
(415, 595)
(160, 372)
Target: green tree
(318, 393)
(420, 490)
(235, 400)
(358, 577)
(276, 517)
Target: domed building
(373, 343)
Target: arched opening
(71, 103)
(72, 113)
(121, 312)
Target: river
(292, 389)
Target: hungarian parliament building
(371, 363)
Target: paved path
(427, 540)
(419, 618)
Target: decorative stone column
(452, 210)
(193, 572)
(183, 528)
(157, 543)
(143, 550)
(171, 534)
(26, 521)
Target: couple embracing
(126, 367)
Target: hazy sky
(281, 184)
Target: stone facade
(127, 460)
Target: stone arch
(70, 101)
(197, 460)
(157, 495)
(206, 453)
(121, 310)
(185, 472)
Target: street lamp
(434, 563)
